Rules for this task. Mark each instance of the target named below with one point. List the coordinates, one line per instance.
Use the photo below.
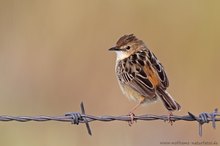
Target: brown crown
(126, 39)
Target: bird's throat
(121, 55)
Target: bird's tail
(168, 101)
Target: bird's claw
(169, 119)
(132, 115)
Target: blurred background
(54, 54)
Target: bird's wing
(159, 69)
(131, 72)
(167, 99)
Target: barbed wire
(77, 118)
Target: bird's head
(126, 46)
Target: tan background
(53, 55)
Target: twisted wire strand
(77, 118)
(91, 118)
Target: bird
(140, 75)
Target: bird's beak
(114, 49)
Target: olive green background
(54, 54)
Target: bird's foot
(132, 115)
(169, 119)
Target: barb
(205, 118)
(77, 118)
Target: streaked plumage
(140, 74)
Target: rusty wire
(77, 118)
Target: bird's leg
(131, 113)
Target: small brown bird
(140, 74)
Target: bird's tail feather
(168, 101)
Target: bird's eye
(128, 48)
